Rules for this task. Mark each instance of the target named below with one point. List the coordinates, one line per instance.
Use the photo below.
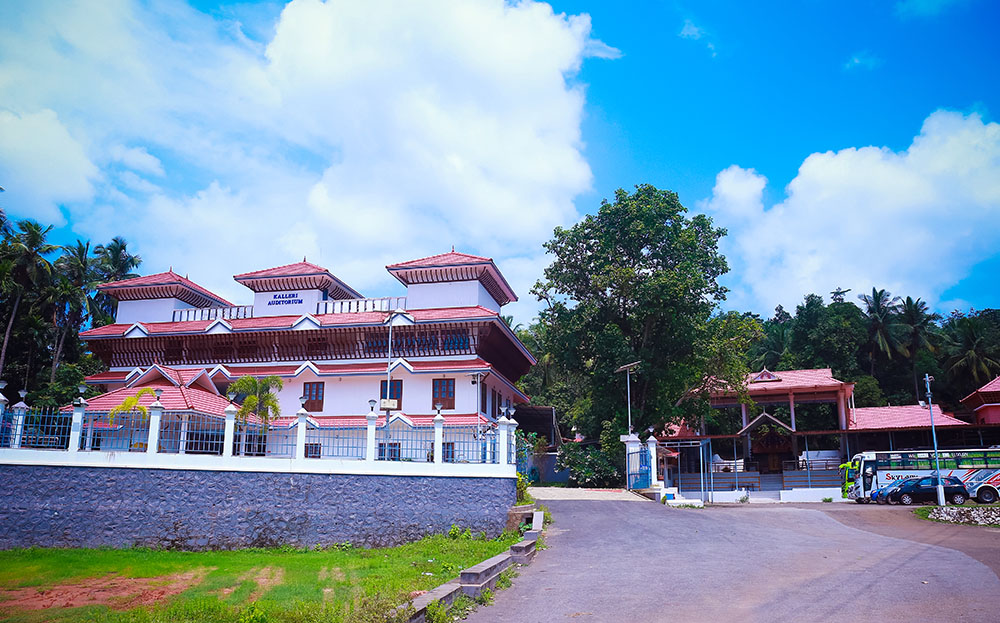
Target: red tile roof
(905, 416)
(451, 258)
(173, 398)
(159, 283)
(286, 322)
(992, 386)
(110, 376)
(288, 270)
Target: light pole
(937, 461)
(627, 369)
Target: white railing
(349, 306)
(184, 440)
(212, 313)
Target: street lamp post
(627, 369)
(937, 460)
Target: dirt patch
(336, 574)
(265, 578)
(113, 591)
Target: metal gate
(637, 466)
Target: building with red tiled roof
(448, 343)
(985, 402)
(898, 418)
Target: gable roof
(987, 394)
(454, 266)
(161, 286)
(298, 276)
(903, 416)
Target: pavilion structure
(985, 402)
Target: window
(395, 393)
(448, 451)
(495, 411)
(313, 393)
(388, 451)
(483, 406)
(443, 393)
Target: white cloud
(862, 60)
(359, 134)
(42, 165)
(913, 222)
(691, 31)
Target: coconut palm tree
(259, 401)
(72, 295)
(769, 351)
(114, 263)
(967, 352)
(130, 405)
(917, 326)
(881, 310)
(26, 250)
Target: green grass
(316, 585)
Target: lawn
(247, 586)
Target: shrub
(588, 466)
(827, 499)
(522, 490)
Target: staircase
(772, 482)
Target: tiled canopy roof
(163, 285)
(985, 395)
(298, 276)
(176, 394)
(455, 266)
(286, 322)
(905, 416)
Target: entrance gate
(638, 468)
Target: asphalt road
(616, 560)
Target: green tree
(259, 399)
(26, 251)
(881, 311)
(636, 281)
(114, 263)
(968, 352)
(917, 326)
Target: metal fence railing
(183, 432)
(400, 442)
(189, 432)
(36, 428)
(255, 439)
(335, 442)
(123, 432)
(469, 444)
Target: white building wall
(286, 303)
(148, 310)
(449, 294)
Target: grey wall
(53, 506)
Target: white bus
(979, 469)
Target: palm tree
(259, 401)
(774, 345)
(114, 263)
(28, 248)
(881, 310)
(967, 352)
(917, 326)
(129, 405)
(71, 295)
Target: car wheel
(906, 499)
(986, 496)
(859, 500)
(958, 499)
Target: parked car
(925, 490)
(881, 495)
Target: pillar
(370, 454)
(76, 428)
(439, 438)
(230, 430)
(632, 447)
(654, 477)
(512, 439)
(3, 409)
(791, 407)
(17, 427)
(182, 443)
(155, 417)
(841, 411)
(300, 434)
(502, 426)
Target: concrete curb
(477, 578)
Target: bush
(522, 490)
(827, 499)
(588, 466)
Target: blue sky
(842, 144)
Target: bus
(978, 469)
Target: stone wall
(55, 506)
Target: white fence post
(372, 418)
(439, 438)
(17, 427)
(632, 447)
(654, 476)
(3, 409)
(230, 430)
(300, 434)
(155, 417)
(76, 428)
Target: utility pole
(937, 460)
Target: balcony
(351, 306)
(212, 313)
